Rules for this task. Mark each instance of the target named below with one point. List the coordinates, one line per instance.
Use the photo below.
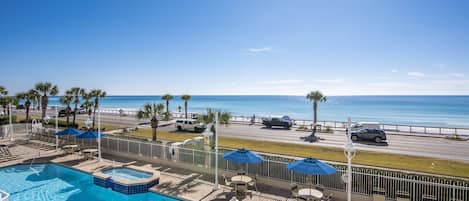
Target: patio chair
(242, 189)
(319, 187)
(294, 190)
(328, 197)
(227, 182)
(253, 183)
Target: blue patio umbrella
(243, 156)
(311, 166)
(69, 131)
(90, 135)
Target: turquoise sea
(451, 111)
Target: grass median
(378, 159)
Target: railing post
(151, 150)
(128, 146)
(268, 168)
(139, 152)
(425, 130)
(410, 129)
(193, 157)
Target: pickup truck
(283, 121)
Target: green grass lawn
(378, 159)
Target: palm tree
(3, 91)
(87, 103)
(76, 92)
(46, 89)
(316, 97)
(5, 101)
(209, 117)
(167, 98)
(96, 94)
(186, 99)
(35, 97)
(66, 100)
(151, 111)
(27, 97)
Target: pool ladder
(32, 161)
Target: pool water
(127, 174)
(51, 182)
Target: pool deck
(186, 187)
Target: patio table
(310, 193)
(89, 153)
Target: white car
(366, 125)
(190, 125)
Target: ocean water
(450, 111)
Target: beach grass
(378, 159)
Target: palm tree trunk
(167, 107)
(27, 113)
(44, 103)
(185, 108)
(154, 126)
(315, 108)
(75, 113)
(68, 117)
(96, 105)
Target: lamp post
(11, 122)
(56, 129)
(349, 152)
(99, 135)
(216, 151)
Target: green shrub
(5, 119)
(329, 129)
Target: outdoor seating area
(6, 155)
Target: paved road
(409, 145)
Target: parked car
(190, 125)
(375, 135)
(365, 125)
(63, 113)
(283, 121)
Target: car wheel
(378, 140)
(354, 138)
(179, 128)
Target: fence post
(151, 150)
(425, 130)
(410, 129)
(268, 168)
(128, 146)
(440, 130)
(139, 152)
(193, 157)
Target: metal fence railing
(391, 128)
(366, 180)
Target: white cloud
(456, 75)
(451, 82)
(416, 74)
(330, 81)
(394, 71)
(281, 82)
(259, 50)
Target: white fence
(366, 180)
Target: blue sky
(237, 47)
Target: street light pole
(349, 151)
(216, 151)
(11, 122)
(99, 135)
(56, 129)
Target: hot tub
(127, 174)
(128, 180)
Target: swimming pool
(51, 182)
(127, 174)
